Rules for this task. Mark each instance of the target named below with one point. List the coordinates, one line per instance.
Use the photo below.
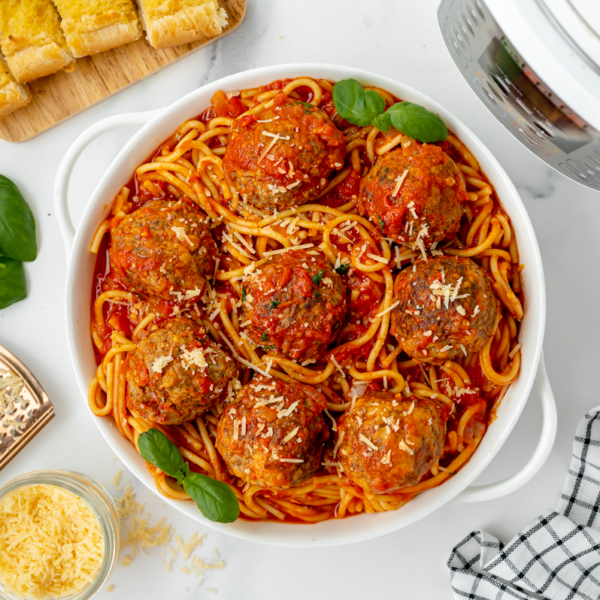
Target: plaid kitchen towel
(557, 557)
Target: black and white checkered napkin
(557, 557)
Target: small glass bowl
(101, 503)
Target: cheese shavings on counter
(136, 532)
(138, 536)
(51, 543)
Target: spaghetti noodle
(365, 356)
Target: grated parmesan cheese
(367, 441)
(136, 532)
(51, 542)
(399, 181)
(387, 310)
(193, 358)
(290, 435)
(282, 250)
(161, 362)
(181, 234)
(405, 448)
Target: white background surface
(399, 39)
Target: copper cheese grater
(24, 406)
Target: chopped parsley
(336, 326)
(264, 337)
(316, 279)
(342, 269)
(243, 294)
(307, 105)
(381, 223)
(269, 347)
(274, 303)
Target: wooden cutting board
(62, 95)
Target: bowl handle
(65, 169)
(479, 493)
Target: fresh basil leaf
(12, 282)
(161, 452)
(382, 122)
(381, 223)
(264, 337)
(214, 498)
(17, 225)
(316, 279)
(374, 103)
(349, 101)
(417, 122)
(275, 303)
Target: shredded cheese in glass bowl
(59, 536)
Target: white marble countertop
(399, 39)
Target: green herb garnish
(363, 108)
(17, 242)
(342, 269)
(17, 226)
(243, 294)
(316, 279)
(382, 122)
(269, 347)
(214, 498)
(264, 337)
(12, 282)
(381, 223)
(417, 122)
(274, 303)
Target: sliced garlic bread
(173, 22)
(32, 40)
(97, 25)
(12, 94)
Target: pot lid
(579, 20)
(537, 29)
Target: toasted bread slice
(98, 25)
(32, 40)
(12, 95)
(173, 22)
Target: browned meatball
(414, 193)
(294, 304)
(273, 434)
(163, 250)
(388, 442)
(176, 373)
(281, 157)
(447, 308)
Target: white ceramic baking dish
(157, 126)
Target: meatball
(273, 434)
(447, 308)
(294, 304)
(176, 373)
(281, 157)
(163, 250)
(388, 442)
(414, 193)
